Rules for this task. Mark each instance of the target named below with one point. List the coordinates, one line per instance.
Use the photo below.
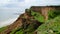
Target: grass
(51, 27)
(17, 31)
(37, 16)
(3, 28)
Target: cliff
(43, 10)
(23, 20)
(31, 19)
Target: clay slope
(23, 21)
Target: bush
(37, 16)
(53, 13)
(51, 27)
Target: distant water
(7, 22)
(8, 16)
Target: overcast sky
(9, 7)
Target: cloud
(3, 1)
(10, 3)
(8, 7)
(27, 3)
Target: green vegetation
(3, 28)
(37, 16)
(17, 31)
(52, 25)
(53, 13)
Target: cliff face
(23, 20)
(43, 10)
(26, 19)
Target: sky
(11, 9)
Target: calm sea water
(8, 16)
